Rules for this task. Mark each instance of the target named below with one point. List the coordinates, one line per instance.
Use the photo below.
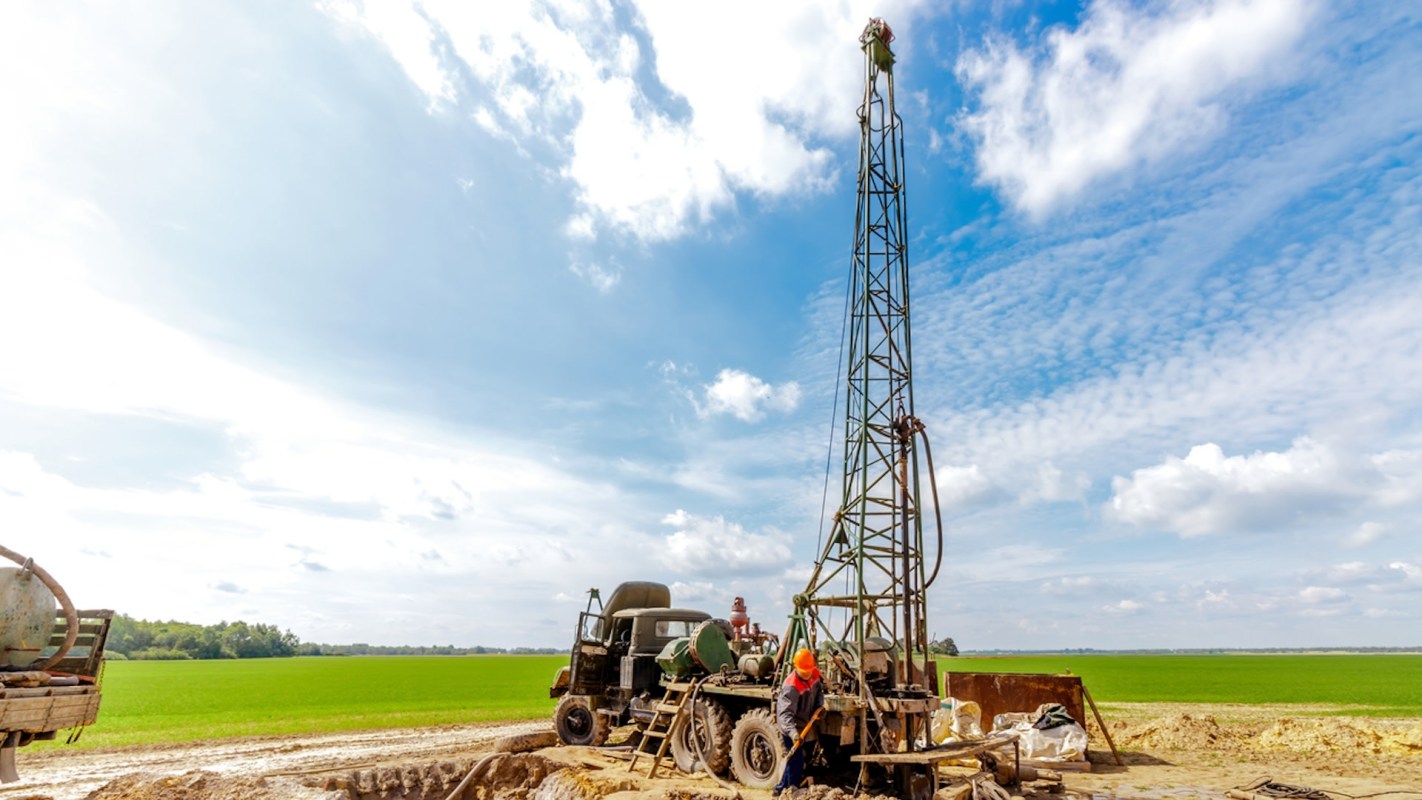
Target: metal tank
(27, 609)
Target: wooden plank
(942, 752)
(1058, 766)
(41, 714)
(1101, 723)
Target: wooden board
(942, 752)
(1000, 693)
(48, 709)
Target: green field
(1359, 685)
(171, 701)
(149, 702)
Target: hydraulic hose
(696, 742)
(937, 508)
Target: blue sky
(408, 322)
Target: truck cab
(612, 674)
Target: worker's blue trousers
(794, 766)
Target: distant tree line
(173, 640)
(140, 639)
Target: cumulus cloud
(1124, 607)
(1207, 492)
(962, 487)
(1127, 86)
(712, 546)
(747, 397)
(651, 140)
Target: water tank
(27, 610)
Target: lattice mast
(867, 588)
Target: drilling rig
(864, 609)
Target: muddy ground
(1169, 752)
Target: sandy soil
(1169, 753)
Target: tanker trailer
(51, 659)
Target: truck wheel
(757, 751)
(578, 724)
(705, 734)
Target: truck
(628, 652)
(51, 660)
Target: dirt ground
(1170, 752)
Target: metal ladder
(668, 716)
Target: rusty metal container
(27, 609)
(1003, 692)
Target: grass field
(147, 702)
(171, 701)
(1361, 685)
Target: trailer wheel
(706, 734)
(757, 751)
(578, 724)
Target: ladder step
(667, 708)
(654, 734)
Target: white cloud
(1411, 573)
(747, 397)
(1207, 492)
(601, 278)
(1126, 86)
(1071, 585)
(401, 28)
(1052, 485)
(960, 487)
(1322, 594)
(651, 139)
(367, 494)
(714, 547)
(1366, 534)
(1217, 600)
(1125, 607)
(964, 488)
(1403, 476)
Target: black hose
(937, 508)
(696, 742)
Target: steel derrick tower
(865, 600)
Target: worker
(800, 697)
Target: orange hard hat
(804, 660)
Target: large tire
(706, 733)
(578, 724)
(757, 751)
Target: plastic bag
(956, 720)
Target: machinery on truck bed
(51, 660)
(864, 609)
